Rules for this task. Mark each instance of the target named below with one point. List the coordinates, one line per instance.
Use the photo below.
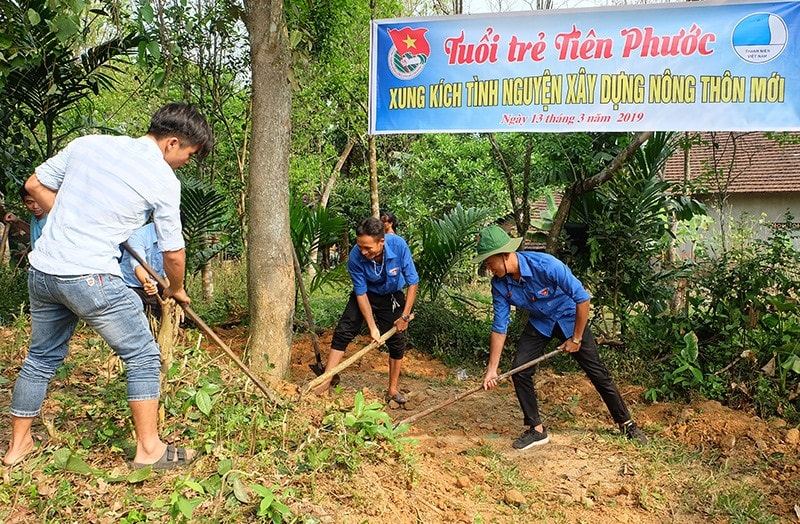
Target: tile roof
(747, 162)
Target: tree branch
(584, 186)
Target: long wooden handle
(469, 392)
(310, 319)
(348, 362)
(272, 395)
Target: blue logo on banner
(760, 37)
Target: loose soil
(468, 471)
(701, 454)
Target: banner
(693, 66)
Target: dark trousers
(532, 344)
(150, 303)
(385, 309)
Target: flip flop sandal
(167, 460)
(38, 442)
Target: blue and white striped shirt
(107, 187)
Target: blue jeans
(105, 304)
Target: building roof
(744, 162)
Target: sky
(497, 6)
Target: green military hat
(493, 240)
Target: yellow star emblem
(410, 42)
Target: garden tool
(272, 395)
(317, 367)
(469, 392)
(348, 362)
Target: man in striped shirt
(97, 190)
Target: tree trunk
(323, 199)
(207, 275)
(373, 178)
(326, 193)
(270, 271)
(520, 207)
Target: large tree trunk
(270, 271)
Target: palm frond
(312, 228)
(205, 218)
(444, 243)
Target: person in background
(98, 190)
(389, 223)
(380, 267)
(558, 307)
(144, 241)
(38, 217)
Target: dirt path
(701, 454)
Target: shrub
(737, 340)
(456, 334)
(14, 298)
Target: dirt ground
(467, 471)
(587, 473)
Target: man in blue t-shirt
(380, 267)
(558, 307)
(38, 217)
(144, 241)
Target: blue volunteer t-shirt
(144, 241)
(547, 290)
(37, 225)
(392, 274)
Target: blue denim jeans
(105, 304)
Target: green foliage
(328, 304)
(205, 221)
(229, 304)
(688, 377)
(14, 298)
(40, 77)
(361, 431)
(202, 399)
(444, 244)
(625, 267)
(742, 505)
(418, 184)
(736, 340)
(452, 330)
(313, 228)
(269, 506)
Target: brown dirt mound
(585, 474)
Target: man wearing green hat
(558, 307)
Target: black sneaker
(632, 432)
(531, 438)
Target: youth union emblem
(410, 52)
